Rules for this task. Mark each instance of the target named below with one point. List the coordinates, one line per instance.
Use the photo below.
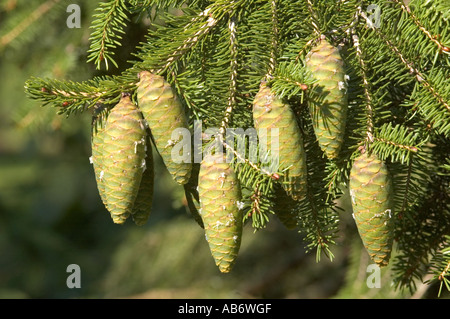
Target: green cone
(219, 194)
(123, 158)
(143, 204)
(164, 113)
(328, 101)
(269, 112)
(371, 192)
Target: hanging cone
(123, 158)
(371, 192)
(143, 204)
(270, 113)
(328, 101)
(164, 114)
(219, 194)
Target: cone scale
(219, 195)
(164, 114)
(328, 100)
(269, 112)
(371, 192)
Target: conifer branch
(306, 46)
(433, 38)
(107, 29)
(320, 241)
(419, 234)
(217, 52)
(313, 18)
(232, 98)
(259, 206)
(142, 5)
(409, 148)
(419, 76)
(442, 277)
(317, 210)
(366, 85)
(403, 140)
(72, 97)
(246, 162)
(274, 48)
(406, 192)
(192, 40)
(196, 29)
(291, 79)
(233, 78)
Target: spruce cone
(123, 158)
(269, 112)
(328, 102)
(164, 113)
(371, 192)
(219, 194)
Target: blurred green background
(51, 214)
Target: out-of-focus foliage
(51, 214)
